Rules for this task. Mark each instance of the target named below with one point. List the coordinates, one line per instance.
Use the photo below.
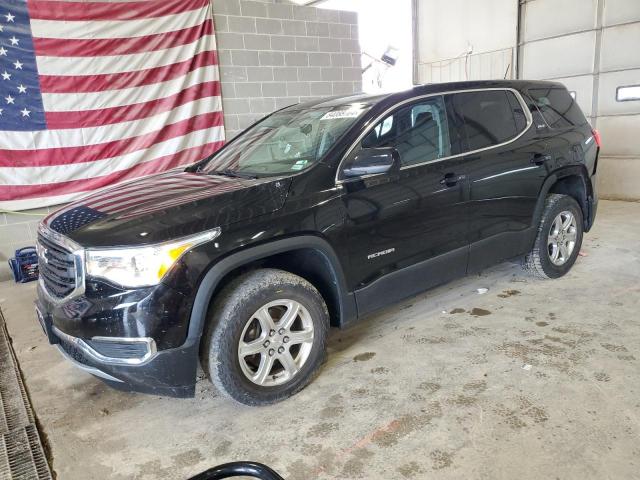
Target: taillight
(596, 136)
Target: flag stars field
(93, 97)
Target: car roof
(420, 90)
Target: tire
(238, 316)
(540, 261)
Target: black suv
(315, 216)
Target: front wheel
(559, 238)
(266, 337)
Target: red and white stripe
(129, 89)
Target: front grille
(57, 268)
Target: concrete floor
(533, 379)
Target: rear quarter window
(558, 108)
(487, 118)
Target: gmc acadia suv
(316, 215)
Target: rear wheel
(559, 238)
(266, 337)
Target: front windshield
(288, 141)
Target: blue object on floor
(25, 265)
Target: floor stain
(479, 312)
(407, 424)
(513, 416)
(626, 358)
(463, 400)
(457, 310)
(429, 387)
(431, 340)
(476, 387)
(188, 458)
(353, 468)
(410, 470)
(322, 430)
(363, 357)
(222, 449)
(614, 348)
(380, 370)
(331, 411)
(542, 324)
(360, 392)
(508, 293)
(441, 459)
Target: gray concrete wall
(592, 47)
(277, 54)
(272, 54)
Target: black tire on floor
(233, 309)
(538, 261)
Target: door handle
(451, 179)
(540, 158)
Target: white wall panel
(618, 178)
(609, 82)
(591, 46)
(548, 18)
(621, 11)
(448, 27)
(559, 57)
(620, 47)
(620, 136)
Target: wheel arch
(308, 256)
(572, 181)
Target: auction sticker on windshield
(335, 114)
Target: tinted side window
(419, 132)
(488, 117)
(558, 108)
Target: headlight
(141, 266)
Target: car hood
(165, 207)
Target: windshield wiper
(232, 173)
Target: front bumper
(142, 368)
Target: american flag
(97, 93)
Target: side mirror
(371, 161)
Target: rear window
(557, 106)
(488, 118)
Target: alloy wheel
(276, 342)
(562, 238)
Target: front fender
(219, 269)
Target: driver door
(406, 229)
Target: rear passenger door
(506, 168)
